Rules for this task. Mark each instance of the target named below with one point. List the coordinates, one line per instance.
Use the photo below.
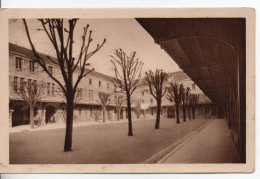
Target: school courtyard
(102, 143)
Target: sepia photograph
(129, 90)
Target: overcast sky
(119, 33)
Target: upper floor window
(48, 88)
(107, 85)
(53, 89)
(80, 92)
(142, 101)
(32, 68)
(193, 86)
(90, 81)
(35, 86)
(151, 100)
(50, 69)
(15, 85)
(85, 93)
(21, 84)
(143, 93)
(90, 94)
(99, 83)
(18, 63)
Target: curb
(164, 154)
(63, 126)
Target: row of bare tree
(181, 96)
(176, 94)
(127, 70)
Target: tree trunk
(118, 113)
(177, 114)
(104, 114)
(31, 117)
(189, 113)
(130, 132)
(157, 123)
(69, 124)
(184, 113)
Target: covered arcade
(211, 51)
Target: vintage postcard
(147, 90)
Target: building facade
(205, 107)
(51, 109)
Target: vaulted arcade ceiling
(207, 49)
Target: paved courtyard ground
(212, 145)
(99, 144)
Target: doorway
(50, 117)
(171, 113)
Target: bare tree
(195, 100)
(174, 96)
(185, 100)
(77, 98)
(31, 93)
(155, 82)
(127, 73)
(119, 101)
(62, 40)
(104, 102)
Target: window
(18, 63)
(53, 89)
(107, 85)
(21, 84)
(90, 81)
(99, 83)
(32, 69)
(193, 86)
(142, 101)
(90, 94)
(143, 93)
(15, 83)
(85, 93)
(35, 86)
(29, 81)
(151, 100)
(80, 92)
(50, 69)
(48, 88)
